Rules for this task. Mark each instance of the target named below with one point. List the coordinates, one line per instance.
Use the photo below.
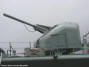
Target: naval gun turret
(63, 38)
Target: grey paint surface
(63, 61)
(65, 35)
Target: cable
(28, 29)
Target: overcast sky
(45, 12)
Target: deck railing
(17, 48)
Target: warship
(59, 46)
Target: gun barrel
(6, 15)
(40, 28)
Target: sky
(45, 12)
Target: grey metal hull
(63, 62)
